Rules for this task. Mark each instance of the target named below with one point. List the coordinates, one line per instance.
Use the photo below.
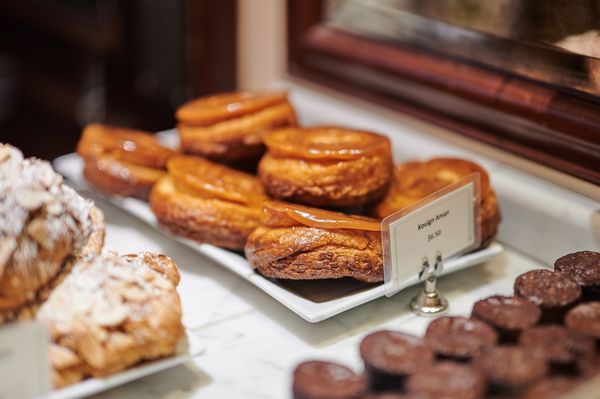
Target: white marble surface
(253, 342)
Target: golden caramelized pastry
(122, 161)
(229, 127)
(207, 202)
(110, 313)
(302, 243)
(415, 180)
(326, 166)
(44, 227)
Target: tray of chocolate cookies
(110, 318)
(541, 343)
(294, 210)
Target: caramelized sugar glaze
(229, 127)
(326, 166)
(122, 161)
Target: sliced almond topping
(105, 315)
(134, 294)
(7, 247)
(31, 199)
(92, 351)
(4, 153)
(38, 231)
(62, 357)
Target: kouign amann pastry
(229, 127)
(122, 161)
(207, 202)
(44, 227)
(416, 180)
(326, 166)
(301, 243)
(110, 313)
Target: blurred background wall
(65, 63)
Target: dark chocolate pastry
(585, 319)
(459, 338)
(391, 356)
(559, 346)
(551, 388)
(584, 268)
(509, 368)
(325, 380)
(509, 315)
(448, 380)
(555, 293)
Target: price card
(24, 363)
(446, 222)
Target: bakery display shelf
(187, 348)
(314, 301)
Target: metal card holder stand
(430, 301)
(444, 224)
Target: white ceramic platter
(312, 300)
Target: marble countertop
(253, 342)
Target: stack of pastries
(230, 127)
(104, 312)
(314, 209)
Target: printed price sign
(446, 222)
(24, 364)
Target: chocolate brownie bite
(459, 338)
(509, 315)
(589, 366)
(391, 356)
(325, 380)
(584, 268)
(559, 346)
(510, 368)
(555, 293)
(448, 380)
(585, 319)
(396, 395)
(550, 388)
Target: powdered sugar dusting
(29, 187)
(42, 221)
(101, 289)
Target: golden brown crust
(489, 212)
(309, 253)
(340, 177)
(214, 221)
(121, 161)
(302, 243)
(92, 247)
(112, 312)
(415, 180)
(113, 177)
(238, 139)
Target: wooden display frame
(555, 126)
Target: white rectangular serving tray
(187, 348)
(314, 301)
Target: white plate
(187, 348)
(312, 300)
